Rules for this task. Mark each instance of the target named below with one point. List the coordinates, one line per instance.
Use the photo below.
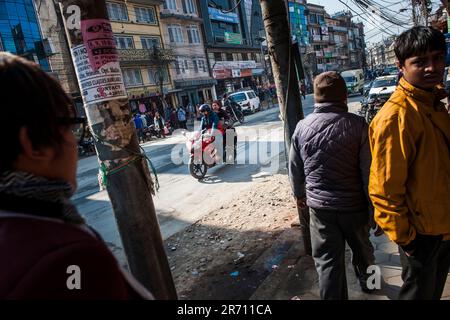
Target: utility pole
(129, 183)
(283, 56)
(283, 65)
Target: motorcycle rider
(209, 120)
(221, 113)
(227, 124)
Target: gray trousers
(329, 232)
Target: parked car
(248, 100)
(382, 87)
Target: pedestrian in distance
(303, 90)
(182, 119)
(139, 124)
(46, 248)
(410, 172)
(329, 169)
(159, 124)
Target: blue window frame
(19, 30)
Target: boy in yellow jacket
(409, 181)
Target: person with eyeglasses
(43, 238)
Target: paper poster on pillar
(97, 63)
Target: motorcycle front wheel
(198, 171)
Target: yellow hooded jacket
(409, 182)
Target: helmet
(204, 107)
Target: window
(153, 75)
(239, 97)
(193, 34)
(229, 57)
(132, 77)
(312, 18)
(217, 56)
(251, 95)
(150, 42)
(202, 65)
(194, 62)
(170, 4)
(188, 6)
(175, 34)
(117, 11)
(321, 19)
(124, 42)
(145, 15)
(182, 65)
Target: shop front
(233, 76)
(146, 99)
(195, 92)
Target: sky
(375, 27)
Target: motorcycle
(86, 147)
(234, 111)
(151, 131)
(373, 106)
(204, 154)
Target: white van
(354, 80)
(248, 100)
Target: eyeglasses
(78, 126)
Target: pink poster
(99, 41)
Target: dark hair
(33, 99)
(218, 102)
(418, 41)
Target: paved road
(182, 200)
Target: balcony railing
(165, 14)
(144, 57)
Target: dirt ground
(215, 257)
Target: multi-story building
(182, 33)
(143, 58)
(299, 22)
(233, 45)
(20, 32)
(390, 54)
(57, 51)
(319, 35)
(382, 53)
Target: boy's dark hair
(418, 41)
(33, 99)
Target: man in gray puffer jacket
(330, 155)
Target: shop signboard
(250, 64)
(233, 38)
(246, 73)
(221, 73)
(218, 15)
(236, 73)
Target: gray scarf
(29, 193)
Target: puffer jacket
(410, 173)
(330, 154)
